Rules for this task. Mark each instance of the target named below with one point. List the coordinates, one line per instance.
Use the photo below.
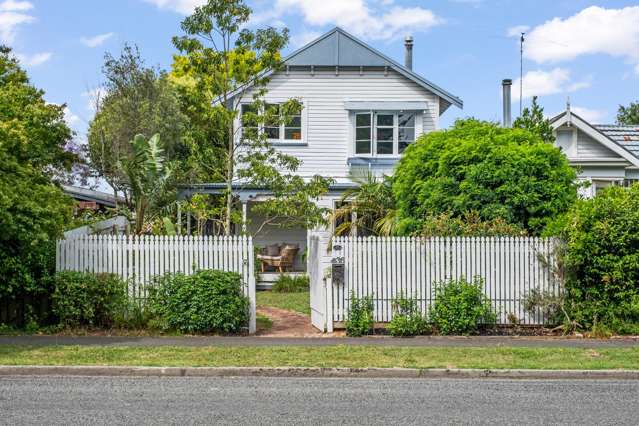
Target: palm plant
(147, 173)
(370, 207)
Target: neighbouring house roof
(341, 49)
(84, 194)
(624, 136)
(623, 140)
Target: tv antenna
(521, 70)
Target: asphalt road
(107, 400)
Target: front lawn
(297, 302)
(326, 356)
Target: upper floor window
(383, 133)
(275, 129)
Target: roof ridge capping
(387, 61)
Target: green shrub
(601, 260)
(291, 284)
(408, 319)
(460, 307)
(207, 301)
(360, 316)
(501, 173)
(86, 299)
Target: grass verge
(297, 302)
(329, 356)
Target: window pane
(363, 120)
(406, 120)
(407, 134)
(385, 134)
(402, 146)
(294, 121)
(384, 147)
(246, 119)
(385, 119)
(363, 147)
(363, 133)
(272, 132)
(272, 115)
(293, 133)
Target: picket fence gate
(137, 259)
(387, 267)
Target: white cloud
(11, 17)
(304, 38)
(590, 115)
(594, 30)
(70, 117)
(35, 59)
(371, 20)
(184, 7)
(541, 83)
(517, 30)
(95, 41)
(15, 6)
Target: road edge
(316, 372)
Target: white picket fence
(385, 267)
(137, 259)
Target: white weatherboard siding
(587, 147)
(328, 132)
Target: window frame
(374, 126)
(282, 126)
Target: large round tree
(510, 174)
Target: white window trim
(418, 126)
(281, 141)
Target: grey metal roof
(85, 194)
(625, 136)
(339, 48)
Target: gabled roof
(604, 134)
(339, 48)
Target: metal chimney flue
(408, 52)
(506, 98)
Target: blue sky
(588, 50)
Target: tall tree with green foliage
(33, 209)
(138, 100)
(226, 65)
(511, 174)
(628, 115)
(533, 119)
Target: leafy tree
(601, 260)
(533, 119)
(478, 166)
(33, 209)
(147, 173)
(628, 115)
(138, 100)
(224, 65)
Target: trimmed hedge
(86, 299)
(206, 302)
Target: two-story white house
(360, 111)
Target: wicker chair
(283, 261)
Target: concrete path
(434, 341)
(195, 400)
